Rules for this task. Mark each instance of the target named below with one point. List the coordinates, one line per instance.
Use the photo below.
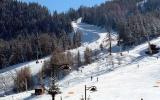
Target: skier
(91, 78)
(121, 54)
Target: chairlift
(93, 88)
(37, 62)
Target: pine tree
(79, 63)
(88, 56)
(77, 38)
(53, 90)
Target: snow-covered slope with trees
(8, 75)
(130, 76)
(136, 80)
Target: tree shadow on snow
(30, 97)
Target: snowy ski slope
(136, 77)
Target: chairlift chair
(93, 88)
(37, 62)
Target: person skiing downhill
(91, 78)
(97, 79)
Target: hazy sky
(64, 5)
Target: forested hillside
(132, 19)
(28, 31)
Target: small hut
(154, 49)
(39, 90)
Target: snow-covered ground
(90, 38)
(141, 3)
(138, 79)
(131, 76)
(8, 75)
